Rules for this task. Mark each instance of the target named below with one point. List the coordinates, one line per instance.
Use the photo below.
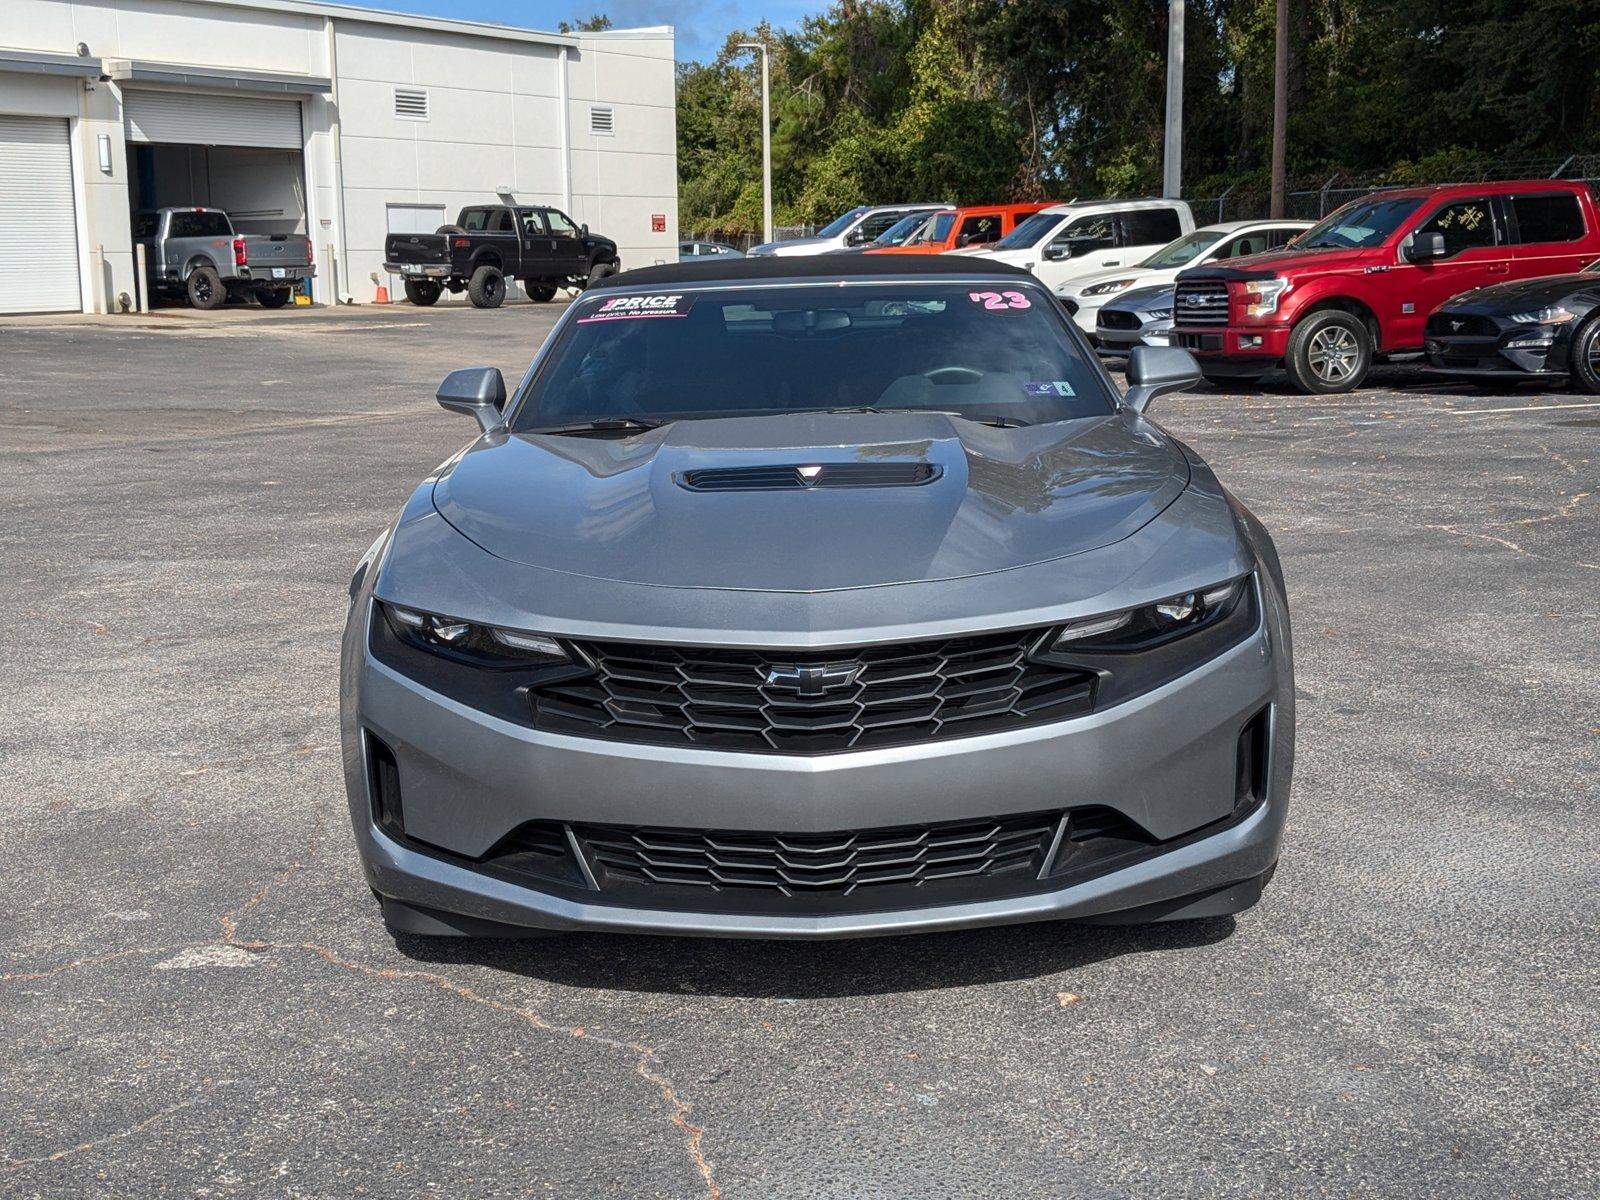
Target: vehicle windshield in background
(1030, 233)
(936, 230)
(1360, 223)
(902, 230)
(146, 224)
(839, 224)
(1183, 251)
(997, 353)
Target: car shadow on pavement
(815, 970)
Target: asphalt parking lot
(197, 997)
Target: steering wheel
(952, 375)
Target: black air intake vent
(800, 476)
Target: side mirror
(480, 391)
(964, 239)
(584, 230)
(1157, 370)
(1054, 253)
(1425, 247)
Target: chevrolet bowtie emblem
(813, 680)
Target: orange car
(974, 226)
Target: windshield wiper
(993, 419)
(603, 425)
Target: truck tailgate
(276, 250)
(429, 248)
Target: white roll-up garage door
(199, 119)
(38, 219)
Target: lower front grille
(772, 701)
(1118, 319)
(795, 873)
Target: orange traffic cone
(383, 295)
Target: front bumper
(1255, 346)
(1167, 760)
(1517, 352)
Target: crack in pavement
(647, 1061)
(15, 1164)
(1509, 545)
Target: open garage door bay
(38, 218)
(241, 154)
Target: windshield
(1359, 223)
(747, 351)
(901, 231)
(936, 230)
(1030, 233)
(1183, 251)
(839, 224)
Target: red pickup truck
(1361, 282)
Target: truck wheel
(541, 292)
(488, 288)
(599, 271)
(204, 288)
(274, 297)
(424, 293)
(1329, 352)
(1585, 356)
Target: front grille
(1117, 319)
(815, 702)
(796, 863)
(1451, 325)
(1201, 302)
(861, 870)
(803, 475)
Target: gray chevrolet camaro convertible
(817, 598)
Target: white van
(1070, 240)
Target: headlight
(1137, 649)
(1158, 314)
(1552, 314)
(467, 641)
(1141, 628)
(1263, 296)
(1105, 289)
(482, 666)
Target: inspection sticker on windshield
(623, 308)
(1048, 387)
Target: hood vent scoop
(804, 476)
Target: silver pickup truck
(194, 252)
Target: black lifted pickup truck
(541, 246)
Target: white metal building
(337, 122)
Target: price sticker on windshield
(630, 308)
(999, 300)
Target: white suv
(856, 228)
(1085, 295)
(1068, 241)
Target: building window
(411, 104)
(602, 119)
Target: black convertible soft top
(825, 267)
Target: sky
(701, 24)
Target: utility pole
(1280, 106)
(766, 139)
(1172, 149)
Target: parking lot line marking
(1482, 412)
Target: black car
(541, 246)
(1534, 329)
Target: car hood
(1285, 262)
(1527, 293)
(617, 509)
(792, 246)
(1141, 278)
